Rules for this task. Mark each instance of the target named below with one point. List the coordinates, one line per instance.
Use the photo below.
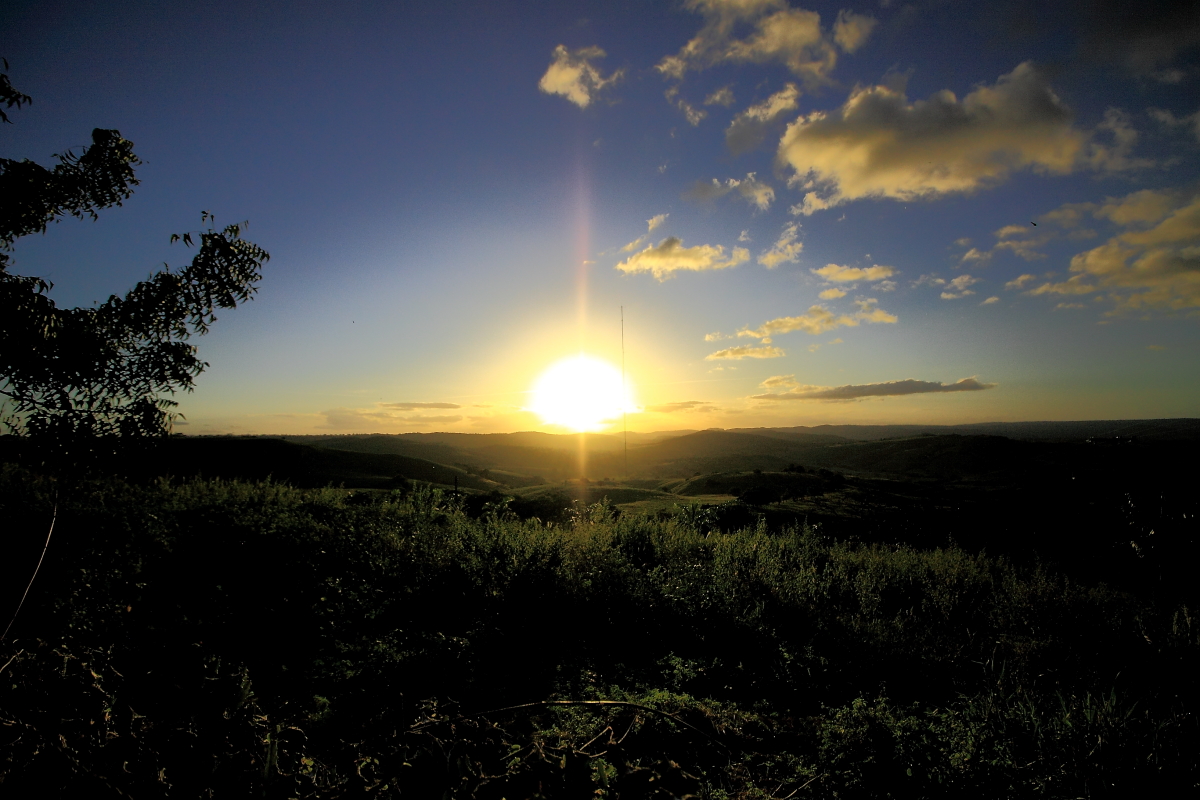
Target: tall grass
(223, 638)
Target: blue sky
(455, 196)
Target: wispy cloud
(818, 320)
(412, 406)
(839, 274)
(786, 248)
(572, 75)
(756, 192)
(721, 97)
(745, 351)
(675, 408)
(855, 392)
(749, 129)
(670, 256)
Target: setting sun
(582, 393)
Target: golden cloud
(839, 274)
(785, 249)
(1154, 264)
(878, 144)
(818, 320)
(670, 256)
(572, 75)
(745, 351)
(778, 34)
(686, 405)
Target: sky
(775, 213)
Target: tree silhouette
(78, 382)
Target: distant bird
(1034, 224)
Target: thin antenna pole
(624, 395)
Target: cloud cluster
(751, 189)
(773, 32)
(786, 248)
(670, 256)
(572, 75)
(1152, 264)
(797, 391)
(749, 129)
(879, 144)
(958, 287)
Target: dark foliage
(78, 381)
(226, 639)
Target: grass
(213, 638)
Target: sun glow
(582, 393)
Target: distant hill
(1182, 429)
(300, 465)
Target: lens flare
(582, 393)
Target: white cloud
(878, 144)
(745, 351)
(656, 221)
(787, 248)
(754, 191)
(851, 30)
(749, 128)
(839, 274)
(715, 336)
(832, 293)
(744, 236)
(572, 75)
(990, 301)
(670, 256)
(887, 389)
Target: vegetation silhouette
(81, 381)
(81, 384)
